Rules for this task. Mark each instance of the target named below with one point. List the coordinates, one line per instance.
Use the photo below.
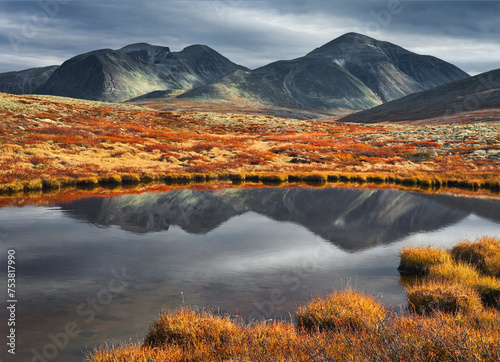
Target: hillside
(25, 81)
(466, 100)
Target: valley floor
(48, 141)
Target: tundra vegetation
(453, 314)
(48, 143)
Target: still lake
(99, 269)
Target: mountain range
(351, 73)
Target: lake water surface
(100, 269)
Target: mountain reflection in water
(351, 219)
(256, 252)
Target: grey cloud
(251, 33)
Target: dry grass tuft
(87, 182)
(454, 272)
(418, 260)
(346, 309)
(483, 253)
(199, 333)
(32, 185)
(111, 180)
(51, 184)
(131, 179)
(432, 296)
(489, 290)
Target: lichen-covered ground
(60, 138)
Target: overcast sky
(249, 32)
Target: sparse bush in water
(446, 321)
(417, 260)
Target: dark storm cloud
(251, 33)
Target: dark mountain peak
(387, 69)
(148, 53)
(198, 51)
(135, 70)
(357, 47)
(140, 46)
(354, 38)
(198, 47)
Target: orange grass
(483, 253)
(417, 260)
(189, 334)
(52, 138)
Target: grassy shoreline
(452, 314)
(49, 142)
(315, 179)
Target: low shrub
(199, 333)
(32, 185)
(131, 179)
(252, 177)
(12, 188)
(87, 182)
(483, 253)
(51, 184)
(418, 260)
(454, 272)
(111, 180)
(135, 353)
(315, 178)
(446, 297)
(149, 177)
(273, 179)
(346, 309)
(489, 291)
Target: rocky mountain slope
(117, 75)
(469, 99)
(25, 81)
(352, 72)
